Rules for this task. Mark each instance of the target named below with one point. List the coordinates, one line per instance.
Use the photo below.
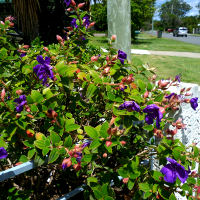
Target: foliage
(190, 22)
(172, 12)
(94, 114)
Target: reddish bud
(29, 133)
(78, 71)
(154, 77)
(53, 121)
(123, 142)
(124, 80)
(106, 70)
(73, 62)
(73, 3)
(77, 167)
(18, 163)
(19, 92)
(114, 130)
(162, 110)
(70, 28)
(91, 24)
(11, 24)
(66, 163)
(59, 38)
(114, 58)
(188, 94)
(188, 89)
(146, 94)
(46, 49)
(105, 155)
(182, 90)
(158, 133)
(26, 46)
(80, 5)
(3, 94)
(107, 58)
(113, 38)
(108, 143)
(69, 9)
(18, 115)
(27, 108)
(94, 58)
(125, 180)
(30, 116)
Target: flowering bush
(76, 109)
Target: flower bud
(26, 46)
(78, 71)
(70, 28)
(39, 136)
(3, 94)
(162, 110)
(94, 58)
(154, 77)
(18, 115)
(114, 130)
(19, 92)
(30, 133)
(11, 24)
(106, 70)
(73, 3)
(113, 38)
(91, 24)
(105, 155)
(59, 38)
(107, 58)
(146, 94)
(80, 5)
(125, 180)
(66, 163)
(46, 49)
(2, 22)
(108, 143)
(188, 94)
(123, 142)
(69, 9)
(77, 167)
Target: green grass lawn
(149, 42)
(170, 66)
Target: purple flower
(174, 170)
(122, 56)
(178, 78)
(153, 113)
(21, 101)
(194, 103)
(78, 157)
(86, 21)
(86, 144)
(3, 153)
(130, 106)
(170, 96)
(22, 55)
(67, 2)
(73, 23)
(43, 70)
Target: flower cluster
(122, 56)
(44, 70)
(21, 101)
(130, 106)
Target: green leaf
(68, 141)
(53, 156)
(23, 159)
(147, 194)
(95, 144)
(157, 175)
(98, 194)
(91, 132)
(135, 163)
(108, 198)
(40, 144)
(103, 130)
(31, 153)
(148, 127)
(45, 151)
(159, 98)
(71, 127)
(90, 91)
(36, 96)
(130, 184)
(144, 187)
(61, 68)
(196, 151)
(55, 138)
(38, 161)
(172, 197)
(92, 179)
(141, 85)
(123, 172)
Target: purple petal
(194, 103)
(40, 59)
(3, 153)
(181, 173)
(169, 172)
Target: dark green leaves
(91, 132)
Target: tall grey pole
(119, 24)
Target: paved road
(189, 39)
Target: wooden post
(119, 24)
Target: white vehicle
(181, 31)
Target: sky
(193, 3)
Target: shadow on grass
(139, 41)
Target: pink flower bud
(2, 22)
(11, 24)
(125, 180)
(46, 49)
(26, 46)
(19, 92)
(73, 3)
(91, 24)
(105, 155)
(77, 167)
(66, 163)
(107, 58)
(154, 77)
(80, 5)
(3, 93)
(123, 142)
(106, 70)
(162, 110)
(69, 9)
(70, 28)
(59, 38)
(94, 58)
(188, 89)
(108, 143)
(188, 94)
(113, 38)
(146, 94)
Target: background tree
(172, 13)
(190, 22)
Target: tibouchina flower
(44, 70)
(194, 103)
(86, 21)
(3, 153)
(73, 23)
(67, 2)
(122, 56)
(130, 106)
(174, 170)
(153, 112)
(21, 101)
